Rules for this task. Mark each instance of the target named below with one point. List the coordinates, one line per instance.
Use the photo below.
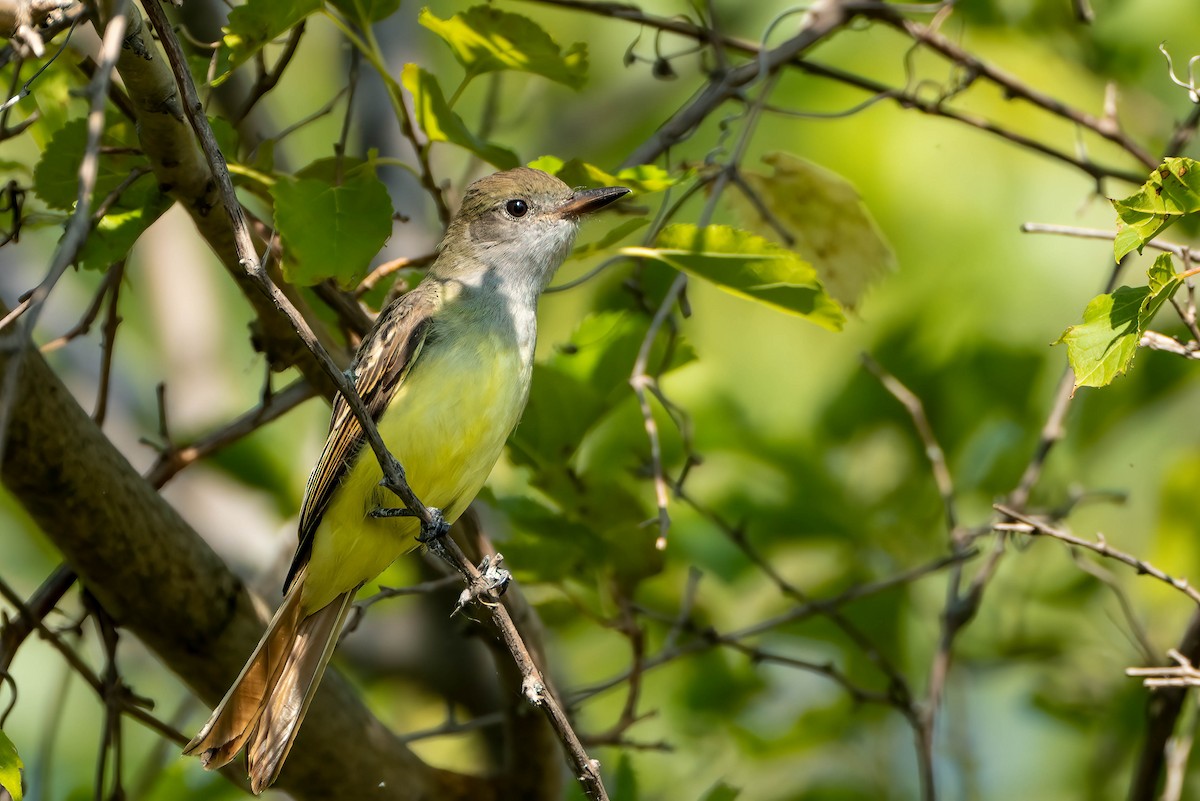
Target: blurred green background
(800, 445)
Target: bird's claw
(493, 581)
(434, 528)
(385, 512)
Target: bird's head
(520, 223)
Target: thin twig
(933, 451)
(267, 79)
(1106, 577)
(89, 316)
(111, 696)
(388, 267)
(111, 320)
(172, 459)
(823, 17)
(1179, 749)
(80, 223)
(359, 610)
(1033, 525)
(15, 631)
(394, 479)
(795, 615)
(534, 687)
(1011, 86)
(1156, 341)
(1183, 675)
(682, 26)
(131, 704)
(1183, 252)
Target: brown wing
(383, 360)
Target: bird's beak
(589, 200)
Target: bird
(445, 374)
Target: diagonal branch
(160, 581)
(183, 173)
(823, 17)
(535, 688)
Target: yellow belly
(447, 425)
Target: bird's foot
(385, 512)
(492, 582)
(434, 528)
(494, 577)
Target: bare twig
(823, 17)
(172, 459)
(1184, 674)
(670, 652)
(131, 704)
(1106, 126)
(89, 315)
(1183, 252)
(1033, 525)
(79, 224)
(387, 268)
(1156, 341)
(359, 610)
(111, 696)
(1178, 749)
(15, 631)
(393, 473)
(641, 380)
(111, 320)
(1106, 577)
(267, 79)
(878, 91)
(933, 451)
(535, 688)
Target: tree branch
(160, 581)
(182, 172)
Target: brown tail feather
(272, 738)
(232, 721)
(264, 707)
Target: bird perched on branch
(445, 374)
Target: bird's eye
(517, 208)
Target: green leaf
(332, 231)
(331, 170)
(623, 782)
(485, 39)
(10, 167)
(10, 767)
(1172, 191)
(609, 239)
(1102, 347)
(226, 136)
(826, 219)
(57, 100)
(643, 179)
(441, 124)
(746, 265)
(604, 347)
(127, 219)
(56, 177)
(1162, 283)
(721, 792)
(366, 12)
(543, 546)
(253, 24)
(547, 437)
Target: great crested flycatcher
(445, 374)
